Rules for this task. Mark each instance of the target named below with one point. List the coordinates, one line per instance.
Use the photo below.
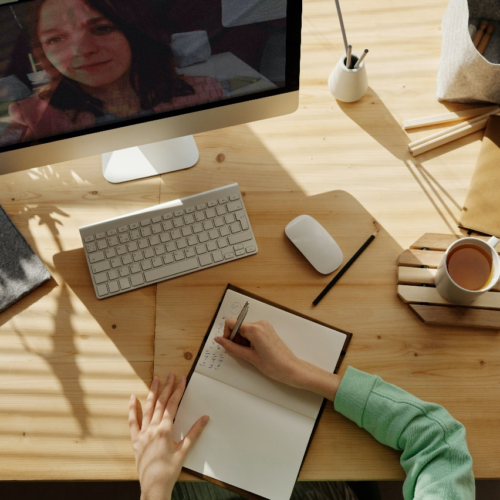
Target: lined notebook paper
(259, 429)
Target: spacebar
(170, 270)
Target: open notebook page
(249, 442)
(310, 341)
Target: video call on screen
(73, 65)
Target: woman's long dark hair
(152, 73)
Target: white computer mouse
(315, 243)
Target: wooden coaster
(416, 272)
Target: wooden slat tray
(416, 272)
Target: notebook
(259, 429)
(481, 211)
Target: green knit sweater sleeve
(435, 457)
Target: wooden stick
(444, 132)
(479, 33)
(456, 134)
(486, 38)
(447, 117)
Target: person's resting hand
(158, 457)
(260, 345)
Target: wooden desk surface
(68, 362)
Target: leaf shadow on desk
(61, 355)
(384, 128)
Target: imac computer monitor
(134, 79)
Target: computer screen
(80, 77)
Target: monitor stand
(150, 159)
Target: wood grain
(66, 374)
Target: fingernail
(132, 398)
(182, 380)
(155, 380)
(170, 376)
(205, 419)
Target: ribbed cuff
(353, 393)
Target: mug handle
(493, 241)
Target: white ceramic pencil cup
(348, 85)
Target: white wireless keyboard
(167, 241)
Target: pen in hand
(240, 319)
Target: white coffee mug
(456, 294)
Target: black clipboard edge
(230, 487)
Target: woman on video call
(104, 66)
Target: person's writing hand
(158, 457)
(260, 345)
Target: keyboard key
(213, 233)
(240, 252)
(192, 240)
(96, 257)
(217, 256)
(113, 241)
(164, 237)
(178, 213)
(210, 213)
(205, 259)
(137, 256)
(121, 250)
(175, 234)
(229, 255)
(91, 247)
(190, 252)
(135, 268)
(233, 206)
(88, 239)
(221, 209)
(171, 247)
(240, 237)
(116, 262)
(100, 235)
(201, 206)
(182, 243)
(179, 255)
(100, 278)
(146, 231)
(124, 271)
(156, 219)
(186, 231)
(145, 222)
(224, 231)
(110, 252)
(127, 259)
(113, 275)
(235, 227)
(157, 228)
(146, 264)
(197, 228)
(134, 225)
(113, 286)
(124, 238)
(143, 244)
(168, 216)
(199, 216)
(159, 249)
(218, 222)
(234, 197)
(167, 225)
(123, 229)
(211, 246)
(190, 210)
(148, 253)
(207, 225)
(132, 246)
(189, 219)
(101, 266)
(171, 270)
(228, 218)
(244, 224)
(223, 200)
(202, 237)
(178, 222)
(168, 258)
(135, 235)
(222, 242)
(102, 244)
(251, 249)
(212, 203)
(137, 279)
(102, 290)
(157, 262)
(124, 283)
(154, 240)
